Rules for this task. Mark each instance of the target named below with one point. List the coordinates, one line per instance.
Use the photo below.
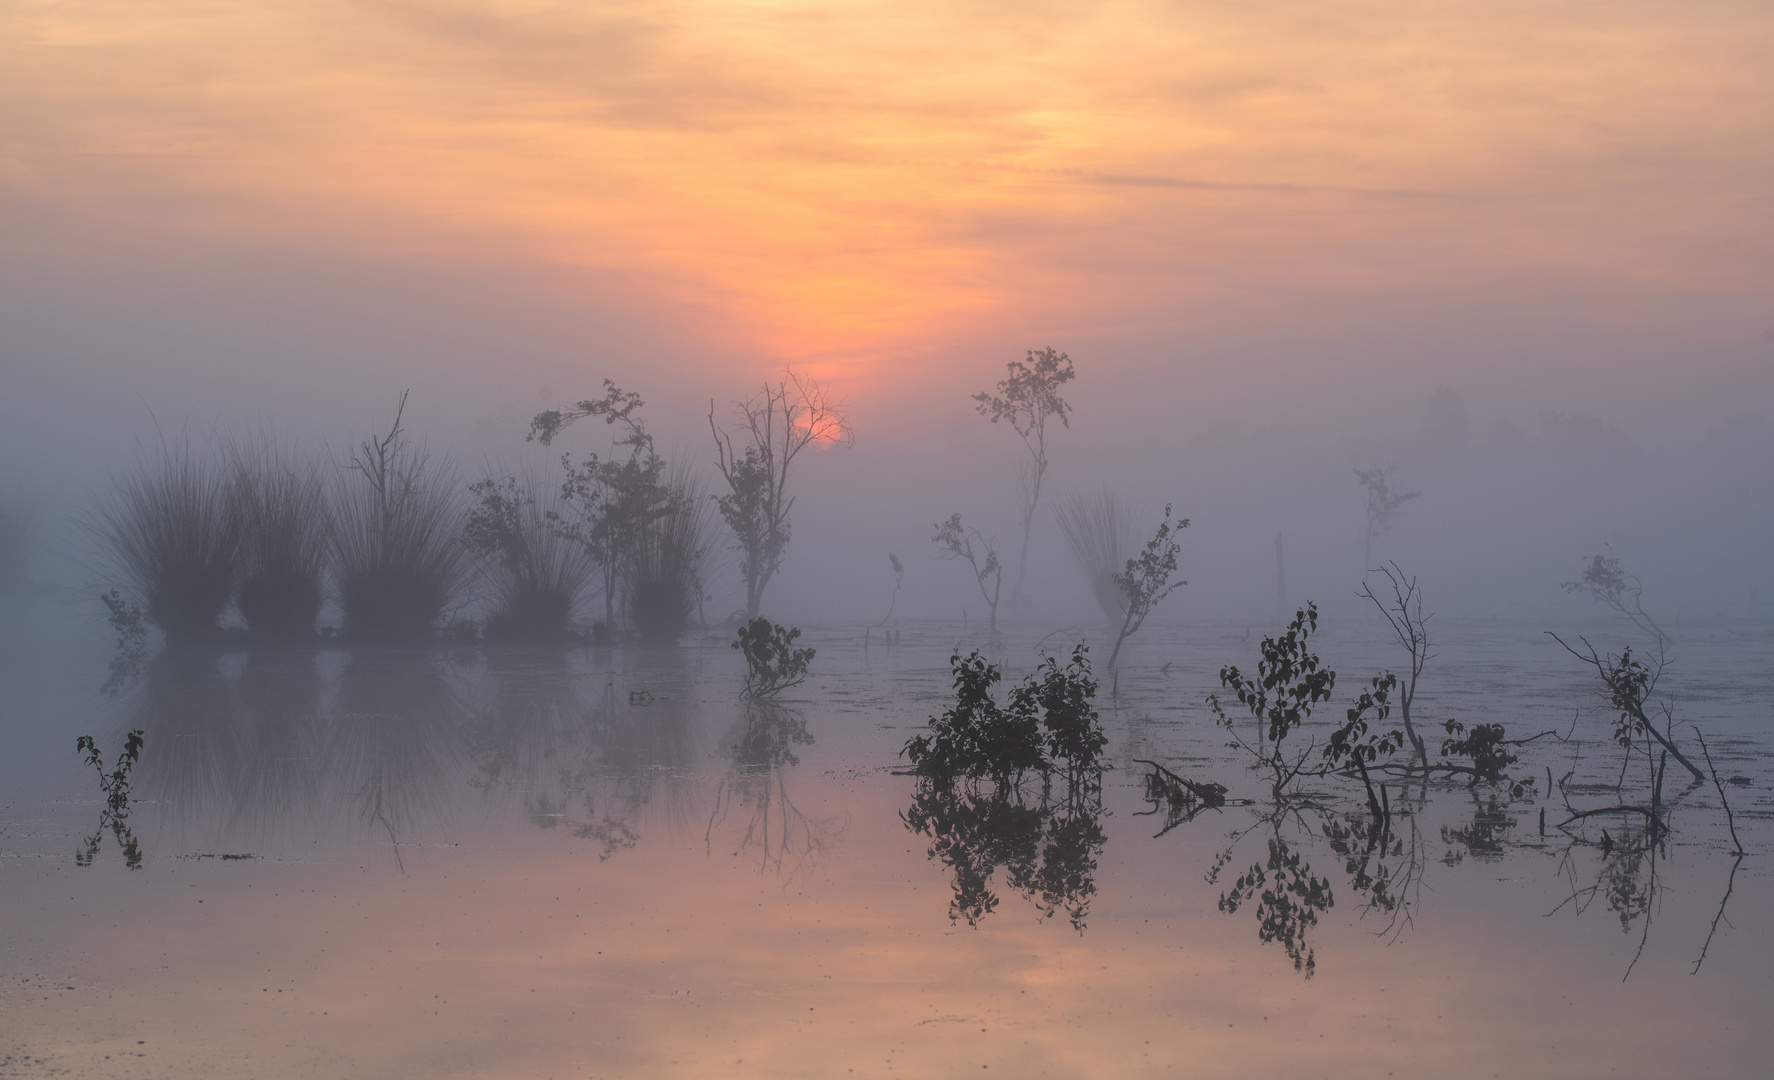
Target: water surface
(585, 863)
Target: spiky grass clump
(1100, 534)
(286, 518)
(670, 563)
(172, 530)
(538, 575)
(397, 519)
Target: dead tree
(1410, 628)
(774, 426)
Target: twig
(1730, 883)
(1729, 820)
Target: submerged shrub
(173, 531)
(772, 662)
(1049, 720)
(1484, 745)
(395, 538)
(1290, 681)
(538, 576)
(285, 534)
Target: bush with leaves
(1354, 745)
(772, 662)
(1147, 579)
(1484, 745)
(1290, 681)
(115, 784)
(1050, 721)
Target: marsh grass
(396, 527)
(671, 561)
(170, 533)
(1099, 532)
(285, 531)
(538, 577)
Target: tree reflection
(1288, 899)
(1483, 838)
(395, 742)
(1624, 878)
(592, 764)
(1047, 847)
(1385, 869)
(762, 743)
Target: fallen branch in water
(1210, 793)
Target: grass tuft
(172, 534)
(285, 540)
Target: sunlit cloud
(856, 179)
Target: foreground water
(601, 864)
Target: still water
(600, 863)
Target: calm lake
(601, 863)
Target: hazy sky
(1254, 226)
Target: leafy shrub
(1049, 719)
(772, 662)
(1290, 681)
(115, 785)
(1353, 745)
(1484, 745)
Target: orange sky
(843, 179)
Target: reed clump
(1099, 532)
(397, 522)
(172, 531)
(669, 561)
(285, 533)
(537, 576)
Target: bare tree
(959, 542)
(1404, 614)
(774, 426)
(1027, 398)
(1381, 502)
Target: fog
(1522, 261)
(1533, 447)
